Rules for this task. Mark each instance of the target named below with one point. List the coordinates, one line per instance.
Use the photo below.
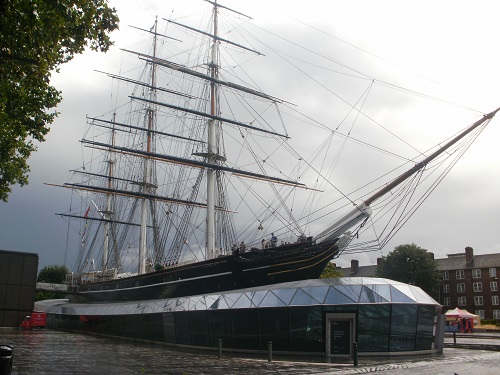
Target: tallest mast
(212, 139)
(147, 180)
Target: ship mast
(147, 183)
(211, 140)
(107, 214)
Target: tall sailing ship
(194, 187)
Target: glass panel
(231, 298)
(285, 295)
(197, 303)
(398, 296)
(425, 326)
(303, 298)
(368, 296)
(182, 331)
(243, 302)
(219, 303)
(335, 297)
(222, 303)
(274, 326)
(270, 300)
(351, 291)
(405, 289)
(318, 293)
(374, 328)
(181, 304)
(219, 324)
(421, 296)
(199, 328)
(212, 301)
(403, 327)
(256, 297)
(306, 329)
(383, 290)
(169, 327)
(169, 305)
(153, 327)
(245, 323)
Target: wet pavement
(54, 352)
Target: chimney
(379, 261)
(431, 255)
(354, 266)
(469, 254)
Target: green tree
(330, 272)
(411, 264)
(36, 37)
(52, 274)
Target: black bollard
(454, 337)
(269, 351)
(219, 348)
(5, 359)
(355, 353)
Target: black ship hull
(299, 261)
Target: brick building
(468, 281)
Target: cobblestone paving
(52, 352)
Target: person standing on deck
(274, 240)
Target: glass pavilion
(322, 317)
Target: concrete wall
(18, 273)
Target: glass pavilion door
(340, 334)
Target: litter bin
(5, 359)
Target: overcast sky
(445, 49)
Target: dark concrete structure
(18, 272)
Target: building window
(480, 313)
(493, 286)
(496, 314)
(460, 274)
(446, 301)
(461, 288)
(446, 275)
(478, 300)
(476, 273)
(494, 300)
(478, 287)
(446, 288)
(493, 272)
(462, 301)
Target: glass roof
(338, 291)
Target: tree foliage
(36, 37)
(411, 264)
(330, 272)
(52, 274)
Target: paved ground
(52, 352)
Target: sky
(447, 50)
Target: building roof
(361, 271)
(457, 262)
(452, 262)
(337, 291)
